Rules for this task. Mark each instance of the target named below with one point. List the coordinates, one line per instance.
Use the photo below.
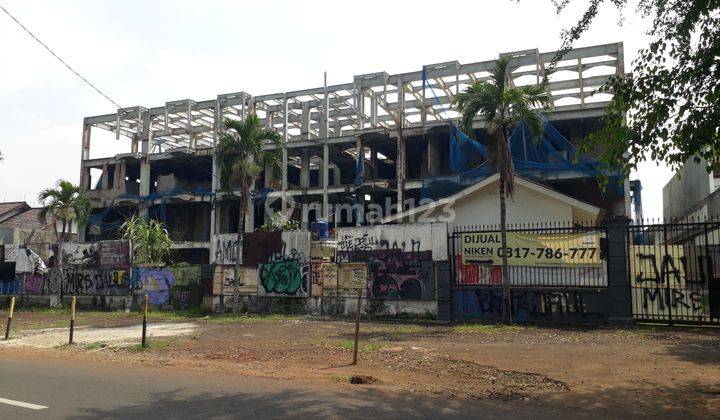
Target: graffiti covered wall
(95, 269)
(673, 280)
(287, 272)
(226, 249)
(224, 281)
(399, 258)
(156, 283)
(531, 305)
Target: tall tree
(67, 204)
(502, 106)
(668, 108)
(241, 158)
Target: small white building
(479, 204)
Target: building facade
(380, 139)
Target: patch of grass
(338, 378)
(48, 311)
(176, 315)
(151, 345)
(97, 345)
(64, 346)
(488, 328)
(251, 317)
(409, 329)
(44, 325)
(365, 348)
(370, 348)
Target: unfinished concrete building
(378, 138)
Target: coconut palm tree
(241, 157)
(502, 106)
(67, 204)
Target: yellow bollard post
(144, 325)
(10, 317)
(72, 318)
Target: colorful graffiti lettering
(283, 278)
(33, 284)
(156, 283)
(10, 286)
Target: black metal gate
(674, 272)
(571, 294)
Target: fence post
(10, 317)
(443, 273)
(620, 299)
(72, 319)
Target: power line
(56, 56)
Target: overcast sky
(147, 53)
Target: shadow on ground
(646, 400)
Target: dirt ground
(640, 371)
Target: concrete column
(324, 179)
(84, 154)
(337, 179)
(284, 151)
(268, 181)
(305, 168)
(400, 169)
(373, 163)
(620, 299)
(433, 156)
(324, 134)
(215, 180)
(144, 184)
(105, 177)
(119, 181)
(360, 196)
(444, 296)
(305, 121)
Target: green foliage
(502, 106)
(667, 108)
(488, 328)
(66, 203)
(150, 240)
(154, 345)
(240, 154)
(97, 345)
(279, 223)
(365, 348)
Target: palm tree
(241, 157)
(67, 204)
(150, 240)
(502, 106)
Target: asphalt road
(80, 389)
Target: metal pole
(144, 324)
(10, 316)
(668, 296)
(72, 318)
(357, 327)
